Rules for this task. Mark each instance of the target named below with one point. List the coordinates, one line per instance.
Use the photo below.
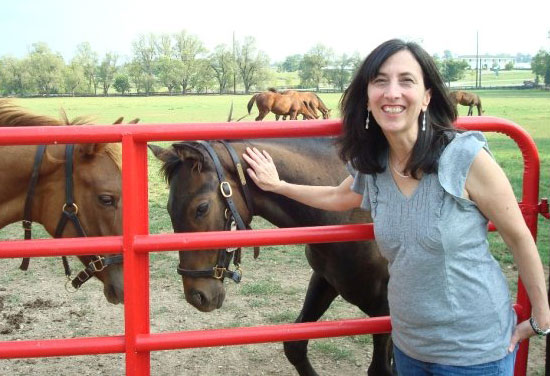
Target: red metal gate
(135, 244)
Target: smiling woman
(443, 190)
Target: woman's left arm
(489, 188)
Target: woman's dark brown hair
(366, 149)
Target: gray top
(449, 301)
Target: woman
(431, 191)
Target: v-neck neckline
(394, 184)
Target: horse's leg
(319, 296)
(478, 109)
(261, 115)
(471, 110)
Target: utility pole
(477, 58)
(234, 67)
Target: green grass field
(528, 108)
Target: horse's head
(97, 191)
(196, 204)
(326, 114)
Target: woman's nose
(392, 90)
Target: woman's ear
(427, 98)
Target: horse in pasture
(313, 101)
(279, 104)
(467, 99)
(36, 187)
(354, 270)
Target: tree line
(179, 63)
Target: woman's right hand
(262, 170)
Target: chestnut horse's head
(86, 193)
(196, 203)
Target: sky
(281, 27)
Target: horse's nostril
(197, 298)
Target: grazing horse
(34, 180)
(313, 101)
(354, 270)
(279, 104)
(467, 99)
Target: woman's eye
(107, 200)
(201, 210)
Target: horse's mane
(170, 166)
(12, 115)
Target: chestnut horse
(279, 104)
(34, 184)
(467, 99)
(312, 99)
(354, 270)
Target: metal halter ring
(73, 207)
(69, 286)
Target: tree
(540, 66)
(73, 77)
(15, 77)
(339, 74)
(46, 68)
(252, 64)
(453, 70)
(313, 65)
(122, 83)
(291, 63)
(145, 57)
(222, 64)
(188, 50)
(107, 70)
(204, 81)
(88, 59)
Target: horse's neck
(16, 166)
(321, 167)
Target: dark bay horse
(354, 270)
(465, 98)
(279, 104)
(97, 190)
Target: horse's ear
(89, 150)
(119, 120)
(161, 153)
(186, 150)
(134, 121)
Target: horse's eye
(107, 200)
(201, 209)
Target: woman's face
(397, 94)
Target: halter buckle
(97, 265)
(223, 186)
(218, 272)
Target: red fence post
(136, 265)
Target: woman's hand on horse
(261, 169)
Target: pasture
(35, 305)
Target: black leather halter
(69, 213)
(233, 220)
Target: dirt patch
(35, 305)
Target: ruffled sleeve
(455, 162)
(360, 185)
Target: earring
(424, 121)
(367, 121)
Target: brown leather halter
(233, 221)
(69, 213)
